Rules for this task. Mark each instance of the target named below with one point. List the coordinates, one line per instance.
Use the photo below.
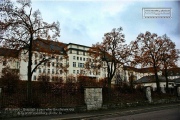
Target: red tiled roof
(9, 52)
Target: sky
(85, 21)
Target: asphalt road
(168, 114)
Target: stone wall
(93, 98)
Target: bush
(84, 81)
(56, 89)
(9, 80)
(103, 82)
(44, 83)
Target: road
(172, 113)
(168, 114)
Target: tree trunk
(109, 90)
(167, 81)
(29, 86)
(157, 82)
(156, 76)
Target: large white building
(62, 60)
(59, 60)
(78, 55)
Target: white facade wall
(78, 56)
(23, 65)
(50, 68)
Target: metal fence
(50, 99)
(120, 95)
(71, 96)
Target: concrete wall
(93, 98)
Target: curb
(121, 112)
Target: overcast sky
(85, 21)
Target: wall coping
(93, 87)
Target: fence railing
(72, 97)
(119, 95)
(61, 98)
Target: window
(57, 58)
(81, 65)
(84, 59)
(52, 71)
(61, 64)
(49, 64)
(35, 62)
(74, 64)
(53, 64)
(48, 70)
(74, 71)
(44, 70)
(83, 53)
(70, 51)
(82, 71)
(80, 58)
(77, 52)
(61, 71)
(77, 71)
(74, 57)
(77, 58)
(18, 65)
(39, 70)
(56, 71)
(34, 77)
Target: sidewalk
(122, 112)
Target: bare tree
(151, 51)
(21, 26)
(112, 52)
(169, 57)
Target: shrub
(85, 81)
(56, 89)
(9, 80)
(103, 82)
(44, 83)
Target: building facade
(58, 60)
(9, 58)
